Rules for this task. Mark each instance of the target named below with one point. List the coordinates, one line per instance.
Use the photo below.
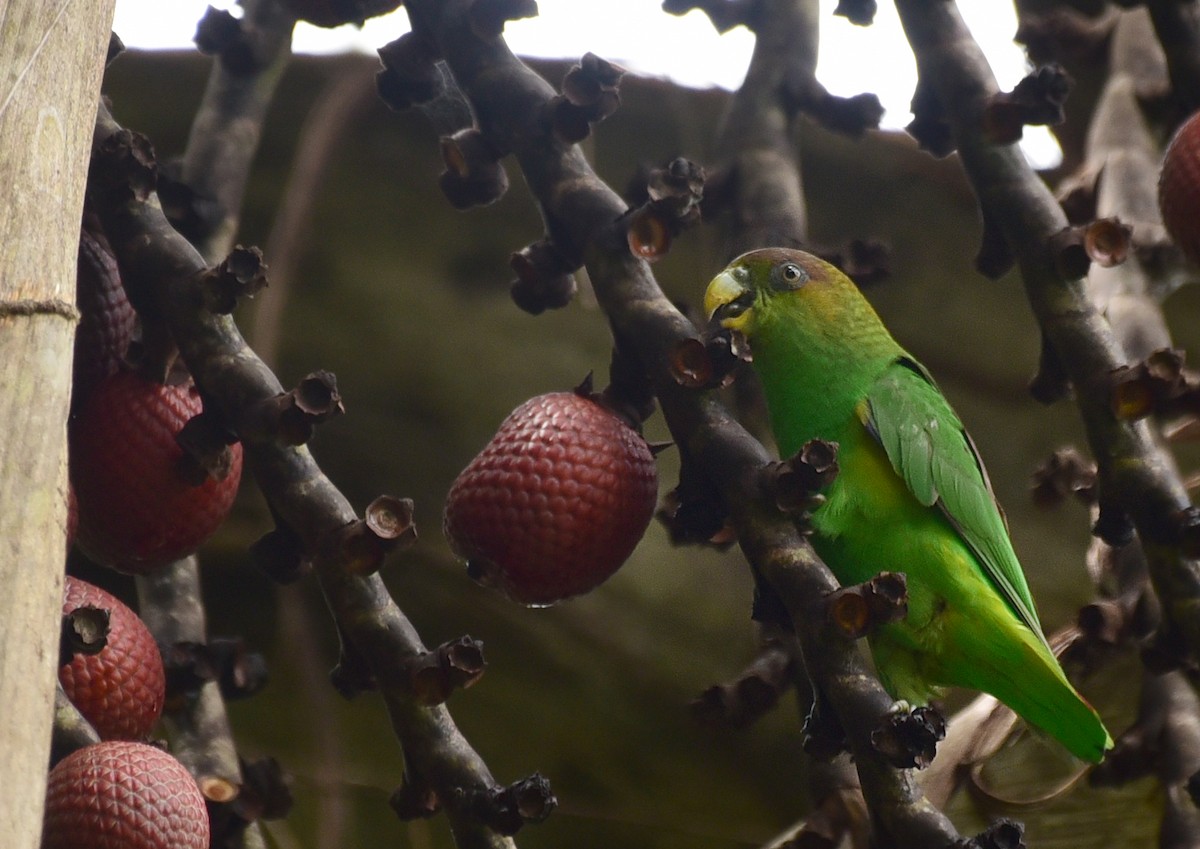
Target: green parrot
(912, 495)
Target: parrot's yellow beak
(729, 298)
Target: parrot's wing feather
(931, 451)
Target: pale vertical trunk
(51, 60)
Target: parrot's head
(764, 287)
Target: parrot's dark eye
(788, 276)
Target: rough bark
(51, 59)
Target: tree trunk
(51, 60)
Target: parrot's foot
(908, 737)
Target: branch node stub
(84, 631)
(1063, 31)
(506, 809)
(188, 211)
(237, 44)
(723, 14)
(1103, 622)
(850, 116)
(692, 365)
(995, 257)
(908, 738)
(265, 793)
(930, 126)
(292, 416)
(709, 362)
(206, 442)
(675, 195)
(216, 31)
(629, 394)
(488, 17)
(190, 665)
(473, 175)
(334, 13)
(1036, 100)
(1156, 384)
(390, 519)
(362, 545)
(242, 274)
(1066, 472)
(456, 664)
(865, 261)
(413, 800)
(1076, 194)
(738, 703)
(409, 76)
(694, 513)
(592, 84)
(858, 12)
(823, 736)
(590, 94)
(351, 676)
(1113, 524)
(128, 168)
(240, 673)
(795, 483)
(280, 553)
(1071, 260)
(1108, 241)
(858, 610)
(1002, 834)
(545, 277)
(1051, 383)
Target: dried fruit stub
(122, 795)
(1179, 188)
(139, 505)
(555, 502)
(120, 689)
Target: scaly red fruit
(119, 690)
(137, 509)
(555, 502)
(106, 319)
(1179, 188)
(122, 795)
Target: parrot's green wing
(929, 448)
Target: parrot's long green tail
(1026, 677)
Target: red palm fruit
(106, 319)
(1179, 188)
(555, 502)
(138, 508)
(120, 689)
(123, 795)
